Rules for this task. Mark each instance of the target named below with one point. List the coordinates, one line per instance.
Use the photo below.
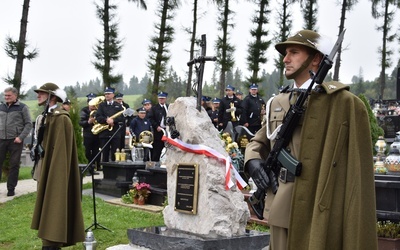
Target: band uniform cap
(253, 86)
(141, 110)
(216, 100)
(119, 96)
(205, 98)
(306, 38)
(162, 94)
(67, 101)
(90, 96)
(53, 89)
(238, 92)
(109, 90)
(230, 87)
(146, 101)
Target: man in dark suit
(120, 99)
(90, 140)
(157, 117)
(230, 109)
(253, 109)
(106, 115)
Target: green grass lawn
(16, 217)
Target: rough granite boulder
(220, 212)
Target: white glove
(231, 109)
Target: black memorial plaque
(187, 186)
(390, 125)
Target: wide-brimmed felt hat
(308, 38)
(53, 89)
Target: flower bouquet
(139, 193)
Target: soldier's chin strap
(305, 64)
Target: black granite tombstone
(387, 188)
(117, 177)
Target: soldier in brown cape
(58, 212)
(331, 205)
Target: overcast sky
(65, 31)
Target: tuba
(95, 102)
(146, 137)
(97, 128)
(233, 112)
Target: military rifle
(37, 151)
(280, 156)
(198, 86)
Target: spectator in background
(15, 126)
(127, 120)
(253, 109)
(214, 112)
(230, 109)
(239, 94)
(146, 103)
(157, 117)
(105, 115)
(206, 103)
(138, 125)
(90, 140)
(66, 105)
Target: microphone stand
(90, 167)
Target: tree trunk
(191, 52)
(339, 53)
(21, 46)
(160, 49)
(107, 60)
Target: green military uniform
(58, 213)
(332, 204)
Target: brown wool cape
(332, 205)
(58, 212)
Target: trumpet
(233, 112)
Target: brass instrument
(146, 137)
(262, 115)
(97, 128)
(95, 102)
(132, 140)
(233, 112)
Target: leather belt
(286, 176)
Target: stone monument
(220, 212)
(202, 212)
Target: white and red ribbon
(209, 152)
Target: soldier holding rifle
(58, 214)
(324, 198)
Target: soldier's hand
(256, 171)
